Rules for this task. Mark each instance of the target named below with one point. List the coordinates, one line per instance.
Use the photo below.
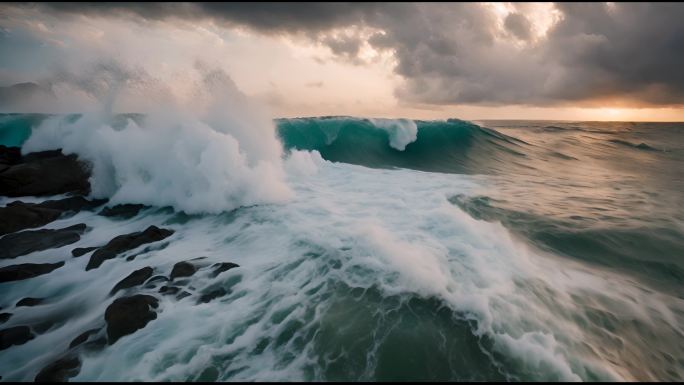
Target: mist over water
(370, 249)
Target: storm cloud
(467, 53)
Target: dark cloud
(275, 17)
(633, 52)
(455, 53)
(633, 49)
(519, 26)
(290, 17)
(348, 46)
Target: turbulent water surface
(392, 250)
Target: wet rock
(44, 173)
(169, 290)
(156, 279)
(19, 216)
(212, 295)
(17, 335)
(182, 269)
(72, 204)
(126, 242)
(145, 250)
(29, 301)
(9, 156)
(159, 278)
(4, 317)
(128, 314)
(60, 370)
(182, 295)
(134, 279)
(83, 337)
(27, 270)
(35, 156)
(125, 211)
(219, 268)
(98, 343)
(28, 241)
(77, 252)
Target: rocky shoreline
(133, 301)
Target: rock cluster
(138, 294)
(41, 173)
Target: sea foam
(216, 154)
(401, 131)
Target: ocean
(374, 250)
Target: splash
(401, 131)
(213, 153)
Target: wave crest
(444, 146)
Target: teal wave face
(16, 128)
(453, 146)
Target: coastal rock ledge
(41, 173)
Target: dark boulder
(147, 249)
(210, 296)
(136, 278)
(83, 337)
(182, 269)
(157, 278)
(125, 211)
(45, 173)
(72, 204)
(9, 156)
(154, 281)
(27, 270)
(61, 370)
(19, 215)
(4, 317)
(77, 252)
(128, 314)
(17, 335)
(219, 268)
(169, 290)
(39, 155)
(28, 241)
(29, 301)
(126, 242)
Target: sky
(475, 61)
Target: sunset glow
(358, 67)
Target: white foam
(216, 154)
(402, 132)
(388, 229)
(303, 163)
